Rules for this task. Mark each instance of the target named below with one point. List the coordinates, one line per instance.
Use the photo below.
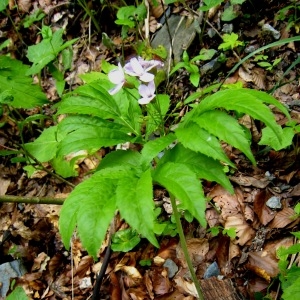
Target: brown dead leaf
(296, 191)
(160, 281)
(263, 265)
(186, 287)
(250, 181)
(244, 231)
(283, 218)
(40, 263)
(264, 213)
(197, 249)
(24, 5)
(4, 184)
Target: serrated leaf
(152, 148)
(45, 146)
(270, 139)
(242, 101)
(156, 112)
(293, 290)
(203, 166)
(84, 133)
(16, 83)
(135, 202)
(97, 90)
(229, 14)
(91, 206)
(64, 168)
(197, 139)
(180, 181)
(227, 129)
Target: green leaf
(63, 167)
(44, 52)
(45, 146)
(233, 2)
(197, 139)
(125, 240)
(37, 15)
(205, 54)
(87, 133)
(210, 4)
(152, 148)
(90, 206)
(203, 166)
(3, 4)
(195, 78)
(293, 291)
(227, 129)
(17, 293)
(178, 66)
(130, 159)
(230, 41)
(180, 181)
(229, 14)
(156, 112)
(243, 101)
(135, 202)
(14, 82)
(270, 139)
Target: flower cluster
(140, 68)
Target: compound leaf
(226, 128)
(87, 133)
(203, 166)
(154, 147)
(197, 139)
(183, 183)
(91, 206)
(135, 202)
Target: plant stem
(184, 247)
(31, 200)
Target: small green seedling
(191, 65)
(262, 62)
(230, 42)
(125, 240)
(231, 232)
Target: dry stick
(32, 200)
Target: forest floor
(261, 210)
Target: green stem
(31, 200)
(184, 247)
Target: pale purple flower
(147, 92)
(117, 77)
(150, 64)
(135, 68)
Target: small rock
(274, 203)
(171, 266)
(227, 28)
(268, 28)
(212, 270)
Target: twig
(32, 200)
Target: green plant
(191, 64)
(289, 275)
(47, 51)
(130, 17)
(290, 13)
(262, 61)
(225, 231)
(17, 293)
(230, 42)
